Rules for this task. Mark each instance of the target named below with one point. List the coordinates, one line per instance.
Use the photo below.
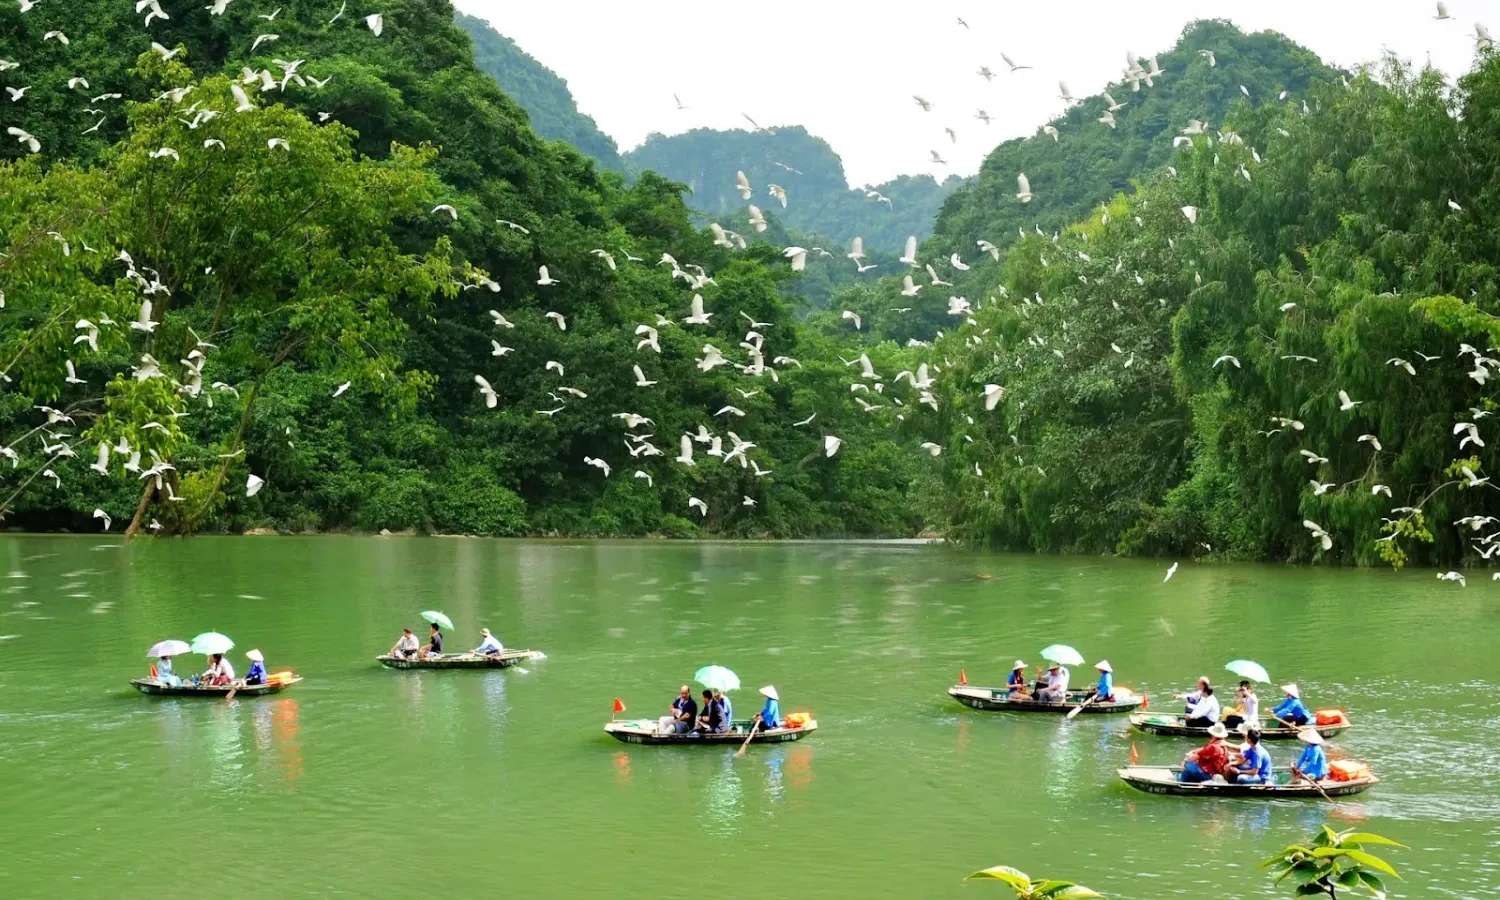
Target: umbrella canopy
(1249, 669)
(1062, 653)
(168, 648)
(717, 678)
(437, 618)
(210, 642)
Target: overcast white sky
(847, 70)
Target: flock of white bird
(869, 391)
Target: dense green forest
(540, 91)
(1281, 351)
(325, 274)
(333, 250)
(820, 202)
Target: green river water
(366, 782)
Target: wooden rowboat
(188, 689)
(1163, 780)
(1166, 724)
(644, 731)
(998, 700)
(500, 660)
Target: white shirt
(407, 643)
(489, 644)
(1058, 681)
(1251, 706)
(222, 668)
(1206, 708)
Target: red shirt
(1212, 758)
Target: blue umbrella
(1254, 671)
(717, 678)
(1062, 653)
(210, 642)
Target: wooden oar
(1314, 783)
(753, 729)
(232, 691)
(1079, 708)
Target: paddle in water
(743, 747)
(1079, 708)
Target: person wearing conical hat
(1104, 690)
(1290, 710)
(1209, 760)
(1016, 681)
(770, 715)
(489, 645)
(1312, 765)
(256, 674)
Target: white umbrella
(210, 642)
(1062, 653)
(168, 648)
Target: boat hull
(1153, 724)
(992, 700)
(643, 731)
(458, 660)
(1163, 780)
(156, 688)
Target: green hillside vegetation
(1174, 388)
(319, 314)
(540, 91)
(1089, 162)
(820, 201)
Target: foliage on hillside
(1312, 356)
(319, 314)
(540, 91)
(821, 203)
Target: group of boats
(1153, 779)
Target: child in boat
(256, 674)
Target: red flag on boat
(1135, 755)
(963, 677)
(1145, 702)
(619, 706)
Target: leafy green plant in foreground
(1026, 889)
(1335, 862)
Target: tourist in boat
(1054, 685)
(1205, 712)
(1016, 681)
(769, 716)
(684, 711)
(1104, 690)
(490, 646)
(727, 708)
(1247, 707)
(164, 673)
(256, 674)
(1195, 696)
(1312, 765)
(1290, 710)
(406, 645)
(434, 643)
(1209, 760)
(1254, 765)
(219, 671)
(711, 717)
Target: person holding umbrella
(162, 652)
(219, 671)
(1053, 686)
(434, 643)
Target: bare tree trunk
(140, 509)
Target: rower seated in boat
(769, 716)
(1053, 686)
(1254, 764)
(1209, 760)
(1205, 712)
(1016, 681)
(219, 671)
(1246, 709)
(490, 646)
(1312, 765)
(1290, 710)
(406, 645)
(1103, 691)
(256, 674)
(434, 643)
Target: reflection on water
(722, 797)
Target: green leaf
(1019, 881)
(1372, 883)
(1362, 837)
(1372, 861)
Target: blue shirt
(256, 674)
(1313, 762)
(1257, 763)
(770, 714)
(1292, 710)
(728, 710)
(1106, 686)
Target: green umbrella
(717, 678)
(437, 619)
